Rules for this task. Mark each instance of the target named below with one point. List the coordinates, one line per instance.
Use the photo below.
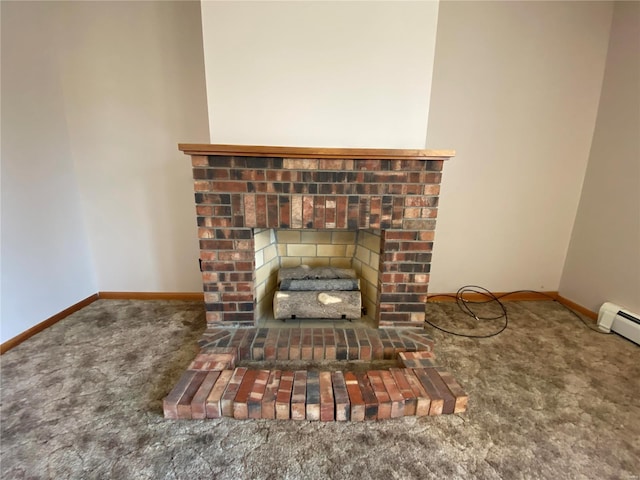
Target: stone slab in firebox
(321, 292)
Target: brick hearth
(217, 385)
(239, 188)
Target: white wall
(603, 261)
(133, 80)
(515, 92)
(95, 194)
(46, 263)
(334, 74)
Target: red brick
(227, 186)
(327, 405)
(330, 164)
(296, 211)
(318, 220)
(216, 244)
(341, 395)
(254, 403)
(377, 349)
(243, 245)
(421, 359)
(284, 211)
(388, 350)
(318, 344)
(424, 343)
(272, 211)
(355, 397)
(352, 344)
(213, 403)
(207, 256)
(270, 346)
(369, 397)
(250, 210)
(261, 211)
(299, 395)
(170, 402)
(237, 339)
(199, 160)
(365, 351)
(213, 361)
(330, 212)
(229, 395)
(307, 211)
(212, 366)
(283, 344)
(426, 236)
(399, 234)
(423, 400)
(342, 349)
(294, 344)
(306, 352)
(418, 224)
(416, 246)
(461, 398)
(437, 403)
(405, 390)
(300, 164)
(198, 404)
(206, 233)
(234, 256)
(313, 395)
(209, 277)
(397, 399)
(240, 407)
(448, 400)
(270, 394)
(214, 319)
(384, 401)
(283, 398)
(257, 348)
(202, 186)
(184, 404)
(244, 349)
(341, 213)
(212, 335)
(329, 343)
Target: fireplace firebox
(241, 192)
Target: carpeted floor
(548, 399)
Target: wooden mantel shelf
(312, 152)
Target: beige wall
(133, 81)
(515, 92)
(46, 263)
(95, 195)
(603, 261)
(319, 73)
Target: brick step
(316, 343)
(213, 387)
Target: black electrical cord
(465, 306)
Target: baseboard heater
(613, 317)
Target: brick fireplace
(384, 200)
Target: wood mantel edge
(312, 152)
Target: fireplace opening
(277, 249)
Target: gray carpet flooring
(548, 399)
